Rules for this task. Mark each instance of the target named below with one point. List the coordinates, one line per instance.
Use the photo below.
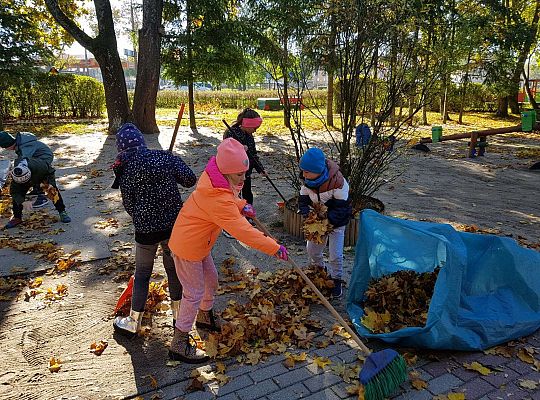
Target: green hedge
(231, 98)
(54, 95)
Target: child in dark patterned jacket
(246, 124)
(324, 183)
(148, 181)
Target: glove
(282, 253)
(249, 211)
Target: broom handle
(321, 297)
(178, 121)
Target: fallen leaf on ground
(417, 382)
(322, 362)
(98, 348)
(528, 384)
(55, 364)
(195, 385)
(476, 366)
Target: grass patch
(52, 127)
(211, 116)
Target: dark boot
(206, 320)
(183, 348)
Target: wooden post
(472, 144)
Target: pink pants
(199, 281)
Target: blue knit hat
(313, 160)
(6, 140)
(129, 136)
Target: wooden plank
(486, 132)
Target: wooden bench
(478, 138)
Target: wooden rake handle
(321, 297)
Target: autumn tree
(202, 43)
(27, 38)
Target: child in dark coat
(246, 124)
(33, 167)
(148, 181)
(324, 183)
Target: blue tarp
(487, 291)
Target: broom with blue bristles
(383, 371)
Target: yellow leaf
(253, 358)
(35, 283)
(55, 364)
(153, 381)
(456, 396)
(220, 367)
(476, 366)
(211, 345)
(525, 356)
(416, 381)
(357, 389)
(528, 384)
(376, 322)
(322, 362)
(98, 348)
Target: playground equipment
(478, 139)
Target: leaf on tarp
(404, 294)
(476, 366)
(374, 321)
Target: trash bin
(436, 133)
(528, 119)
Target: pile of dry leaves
(276, 316)
(398, 300)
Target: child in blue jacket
(324, 183)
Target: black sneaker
(337, 290)
(41, 201)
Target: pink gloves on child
(249, 211)
(282, 253)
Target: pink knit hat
(231, 157)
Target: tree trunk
(464, 83)
(284, 69)
(502, 107)
(147, 84)
(104, 48)
(330, 99)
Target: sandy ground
(496, 192)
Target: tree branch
(69, 25)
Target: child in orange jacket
(214, 205)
